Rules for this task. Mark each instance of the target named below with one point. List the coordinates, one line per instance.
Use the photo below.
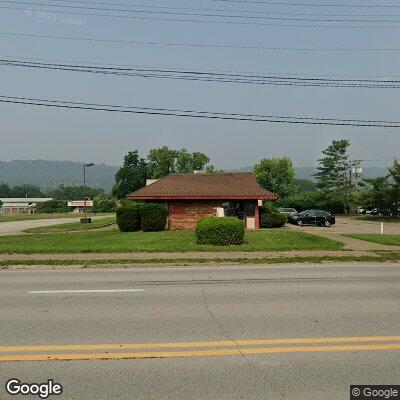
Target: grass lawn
(25, 217)
(392, 240)
(113, 241)
(74, 226)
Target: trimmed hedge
(220, 231)
(153, 216)
(273, 220)
(128, 217)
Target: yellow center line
(197, 353)
(177, 345)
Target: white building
(78, 206)
(23, 205)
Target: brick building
(190, 197)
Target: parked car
(312, 217)
(288, 211)
(381, 212)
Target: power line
(103, 64)
(199, 45)
(283, 3)
(198, 114)
(210, 15)
(152, 6)
(210, 76)
(269, 24)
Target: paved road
(18, 227)
(219, 308)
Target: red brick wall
(184, 215)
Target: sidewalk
(189, 255)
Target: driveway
(18, 227)
(346, 225)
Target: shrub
(103, 205)
(153, 216)
(52, 207)
(273, 220)
(269, 208)
(220, 231)
(271, 217)
(128, 217)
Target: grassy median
(30, 217)
(113, 241)
(74, 226)
(391, 240)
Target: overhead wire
(198, 114)
(212, 15)
(224, 10)
(295, 4)
(199, 45)
(210, 76)
(212, 21)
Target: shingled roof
(201, 186)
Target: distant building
(23, 205)
(78, 206)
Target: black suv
(312, 217)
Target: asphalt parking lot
(348, 225)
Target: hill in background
(307, 172)
(50, 174)
(368, 172)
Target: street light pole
(85, 165)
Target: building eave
(203, 198)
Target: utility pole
(357, 170)
(85, 220)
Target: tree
(313, 200)
(305, 185)
(131, 176)
(377, 193)
(26, 190)
(164, 161)
(210, 169)
(104, 205)
(183, 162)
(74, 192)
(334, 172)
(276, 175)
(52, 206)
(5, 190)
(394, 172)
(199, 161)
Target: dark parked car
(287, 211)
(312, 217)
(381, 212)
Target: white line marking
(86, 291)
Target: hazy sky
(30, 133)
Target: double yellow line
(195, 349)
